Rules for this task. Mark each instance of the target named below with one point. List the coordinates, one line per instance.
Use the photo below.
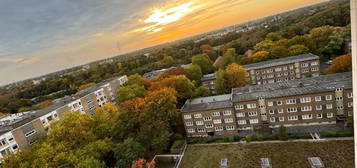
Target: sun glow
(159, 18)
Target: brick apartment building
(19, 131)
(278, 70)
(305, 105)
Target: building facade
(306, 105)
(20, 131)
(278, 70)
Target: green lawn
(334, 154)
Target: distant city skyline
(40, 37)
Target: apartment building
(306, 105)
(278, 70)
(20, 131)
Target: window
(239, 107)
(229, 127)
(318, 107)
(270, 76)
(215, 114)
(305, 99)
(350, 95)
(291, 101)
(197, 115)
(190, 130)
(220, 128)
(306, 116)
(228, 120)
(253, 113)
(280, 110)
(217, 121)
(338, 98)
(261, 106)
(281, 118)
(292, 109)
(318, 115)
(240, 114)
(242, 122)
(278, 69)
(250, 106)
(339, 89)
(279, 102)
(253, 121)
(314, 63)
(199, 122)
(270, 70)
(14, 147)
(30, 133)
(305, 65)
(317, 98)
(339, 107)
(189, 123)
(270, 103)
(305, 70)
(285, 68)
(271, 111)
(2, 142)
(291, 72)
(314, 69)
(187, 117)
(306, 108)
(201, 130)
(209, 125)
(328, 106)
(207, 118)
(328, 97)
(292, 118)
(10, 139)
(350, 104)
(329, 115)
(272, 119)
(227, 112)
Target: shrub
(177, 144)
(282, 135)
(249, 138)
(337, 133)
(259, 137)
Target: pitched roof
(207, 103)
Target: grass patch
(334, 153)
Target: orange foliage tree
(142, 163)
(340, 64)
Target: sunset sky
(38, 37)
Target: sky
(38, 37)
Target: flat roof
(318, 84)
(207, 103)
(281, 61)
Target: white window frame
(228, 120)
(199, 122)
(227, 112)
(317, 98)
(291, 101)
(242, 114)
(329, 106)
(197, 115)
(328, 97)
(318, 107)
(329, 115)
(293, 118)
(272, 119)
(242, 122)
(253, 121)
(187, 116)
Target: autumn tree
(202, 91)
(87, 85)
(273, 36)
(142, 163)
(298, 49)
(45, 104)
(220, 82)
(260, 56)
(182, 85)
(279, 52)
(340, 64)
(204, 62)
(206, 47)
(175, 71)
(235, 75)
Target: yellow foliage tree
(340, 64)
(235, 75)
(260, 56)
(45, 104)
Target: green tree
(202, 91)
(279, 52)
(228, 58)
(220, 82)
(264, 45)
(204, 62)
(194, 73)
(273, 36)
(127, 152)
(131, 91)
